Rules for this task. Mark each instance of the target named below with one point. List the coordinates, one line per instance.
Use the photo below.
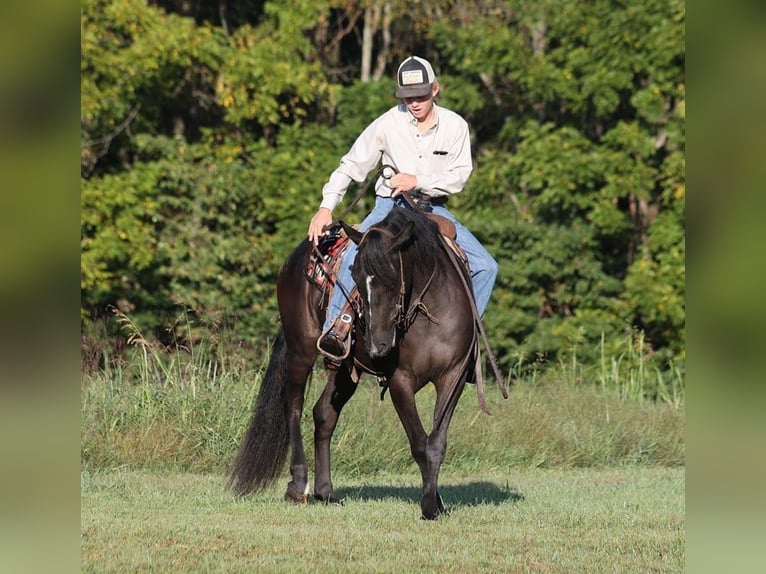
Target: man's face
(421, 106)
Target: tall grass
(185, 408)
(178, 408)
(633, 376)
(626, 366)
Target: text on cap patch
(412, 77)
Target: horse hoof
(440, 510)
(332, 499)
(296, 497)
(434, 515)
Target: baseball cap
(414, 78)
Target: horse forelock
(426, 246)
(376, 256)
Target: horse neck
(420, 280)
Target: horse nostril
(380, 349)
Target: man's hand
(322, 218)
(402, 182)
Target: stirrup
(347, 319)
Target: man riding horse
(419, 321)
(429, 148)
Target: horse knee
(436, 454)
(419, 451)
(324, 421)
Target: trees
(187, 132)
(208, 133)
(582, 140)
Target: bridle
(404, 317)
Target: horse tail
(263, 451)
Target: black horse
(416, 326)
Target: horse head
(383, 275)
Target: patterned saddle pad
(334, 245)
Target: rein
(362, 191)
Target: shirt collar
(413, 120)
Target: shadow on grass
(470, 494)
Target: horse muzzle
(381, 345)
(379, 350)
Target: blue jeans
(483, 265)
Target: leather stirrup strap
(477, 320)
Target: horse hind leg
(297, 375)
(298, 302)
(338, 390)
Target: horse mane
(425, 244)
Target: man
(429, 146)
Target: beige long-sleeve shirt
(440, 158)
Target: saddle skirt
(331, 247)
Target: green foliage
(579, 190)
(205, 147)
(266, 77)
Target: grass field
(533, 520)
(580, 470)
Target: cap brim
(413, 91)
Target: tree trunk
(371, 17)
(383, 54)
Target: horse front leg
(298, 487)
(447, 396)
(402, 391)
(432, 504)
(338, 390)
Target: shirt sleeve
(364, 155)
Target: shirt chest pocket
(439, 160)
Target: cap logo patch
(412, 77)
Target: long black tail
(264, 448)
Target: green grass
(186, 410)
(194, 423)
(580, 470)
(627, 519)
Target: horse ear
(405, 235)
(353, 234)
